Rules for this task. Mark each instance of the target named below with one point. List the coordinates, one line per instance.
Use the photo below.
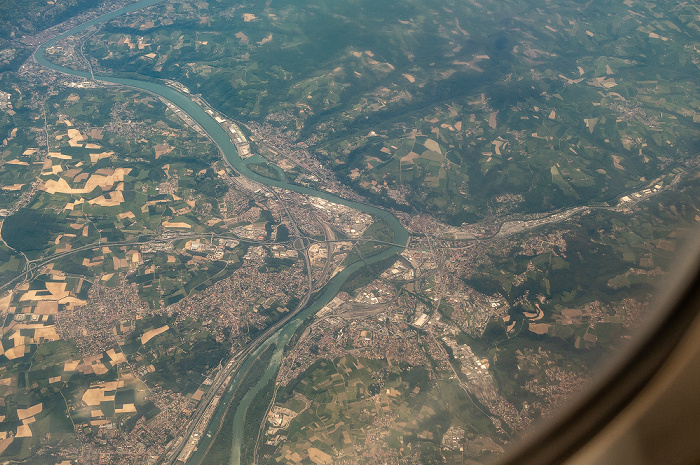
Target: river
(219, 135)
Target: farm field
(541, 156)
(116, 216)
(459, 111)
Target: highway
(235, 362)
(223, 141)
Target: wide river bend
(220, 137)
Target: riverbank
(222, 139)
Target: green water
(217, 133)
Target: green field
(452, 112)
(145, 262)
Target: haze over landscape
(329, 232)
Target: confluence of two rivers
(219, 135)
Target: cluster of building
(254, 231)
(382, 335)
(399, 271)
(631, 199)
(516, 226)
(92, 326)
(214, 251)
(98, 10)
(149, 438)
(5, 101)
(377, 292)
(420, 258)
(234, 318)
(479, 380)
(286, 147)
(235, 133)
(280, 418)
(352, 222)
(453, 439)
(297, 205)
(281, 251)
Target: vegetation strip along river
(221, 138)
